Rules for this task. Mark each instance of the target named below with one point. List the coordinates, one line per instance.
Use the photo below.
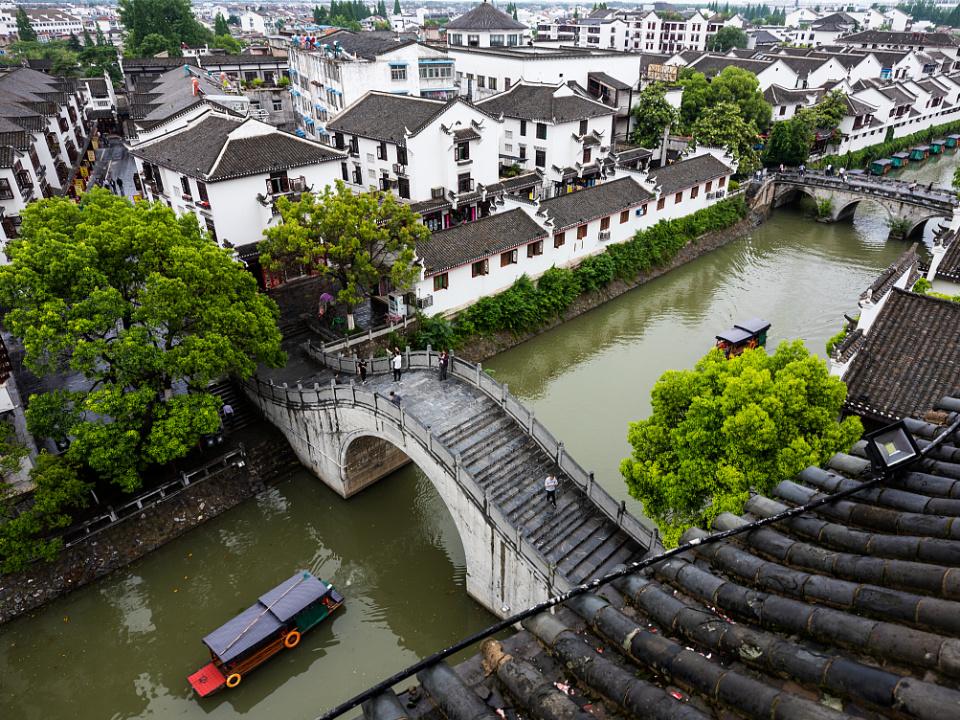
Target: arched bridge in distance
(912, 203)
(486, 455)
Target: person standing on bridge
(550, 485)
(362, 370)
(443, 362)
(396, 362)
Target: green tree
(723, 126)
(142, 305)
(729, 427)
(727, 38)
(74, 43)
(382, 8)
(396, 7)
(220, 26)
(651, 115)
(741, 87)
(101, 39)
(696, 96)
(228, 43)
(173, 19)
(956, 178)
(25, 30)
(87, 40)
(233, 20)
(153, 44)
(357, 239)
(789, 142)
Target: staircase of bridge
(491, 445)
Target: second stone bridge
(486, 455)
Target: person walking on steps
(550, 485)
(396, 362)
(443, 362)
(362, 370)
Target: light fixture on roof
(891, 448)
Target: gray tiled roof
(608, 80)
(949, 268)
(909, 360)
(474, 241)
(687, 173)
(485, 17)
(368, 44)
(205, 151)
(538, 102)
(382, 116)
(710, 65)
(776, 95)
(594, 202)
(858, 107)
(885, 37)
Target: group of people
(396, 365)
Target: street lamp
(891, 448)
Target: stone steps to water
(244, 412)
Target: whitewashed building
(229, 171)
(252, 22)
(555, 130)
(444, 154)
(465, 263)
(335, 72)
(485, 26)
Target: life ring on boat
(291, 639)
(233, 680)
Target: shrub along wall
(527, 306)
(862, 158)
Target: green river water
(122, 647)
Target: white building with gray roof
(486, 26)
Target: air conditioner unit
(398, 169)
(604, 234)
(425, 301)
(437, 193)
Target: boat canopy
(754, 326)
(901, 155)
(735, 335)
(264, 618)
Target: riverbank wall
(269, 460)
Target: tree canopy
(25, 31)
(723, 126)
(220, 25)
(727, 38)
(731, 426)
(357, 239)
(396, 7)
(147, 310)
(171, 19)
(732, 85)
(791, 141)
(651, 115)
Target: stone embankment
(269, 459)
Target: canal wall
(269, 459)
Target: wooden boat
(900, 159)
(742, 336)
(921, 152)
(953, 140)
(273, 624)
(881, 167)
(936, 146)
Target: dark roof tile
(485, 17)
(382, 116)
(540, 102)
(591, 203)
(687, 173)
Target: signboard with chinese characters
(662, 73)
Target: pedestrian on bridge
(443, 362)
(550, 483)
(396, 362)
(395, 398)
(362, 370)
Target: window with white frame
(398, 73)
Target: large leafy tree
(789, 142)
(651, 115)
(729, 427)
(173, 19)
(25, 30)
(727, 38)
(731, 85)
(147, 310)
(220, 25)
(357, 239)
(723, 126)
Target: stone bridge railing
(500, 393)
(934, 199)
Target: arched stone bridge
(911, 203)
(484, 452)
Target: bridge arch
(486, 465)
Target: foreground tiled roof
(711, 65)
(368, 44)
(476, 240)
(608, 198)
(687, 173)
(846, 611)
(910, 358)
(949, 268)
(539, 102)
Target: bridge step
(574, 541)
(487, 473)
(579, 559)
(496, 437)
(567, 525)
(628, 552)
(462, 430)
(244, 411)
(588, 568)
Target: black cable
(606, 579)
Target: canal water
(122, 648)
